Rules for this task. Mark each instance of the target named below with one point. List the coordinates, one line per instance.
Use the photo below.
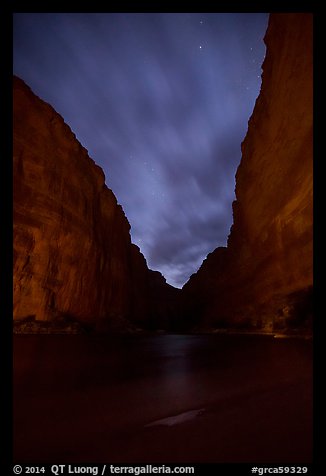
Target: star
(201, 22)
(200, 47)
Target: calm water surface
(163, 398)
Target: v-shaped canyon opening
(73, 258)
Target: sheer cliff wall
(263, 278)
(73, 256)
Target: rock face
(73, 256)
(263, 279)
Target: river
(162, 398)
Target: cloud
(162, 117)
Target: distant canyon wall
(73, 256)
(263, 278)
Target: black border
(6, 242)
(6, 176)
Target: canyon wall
(73, 256)
(263, 278)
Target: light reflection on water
(166, 371)
(78, 388)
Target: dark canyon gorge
(219, 371)
(73, 257)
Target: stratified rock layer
(73, 256)
(263, 279)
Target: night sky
(161, 102)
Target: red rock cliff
(73, 256)
(264, 278)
